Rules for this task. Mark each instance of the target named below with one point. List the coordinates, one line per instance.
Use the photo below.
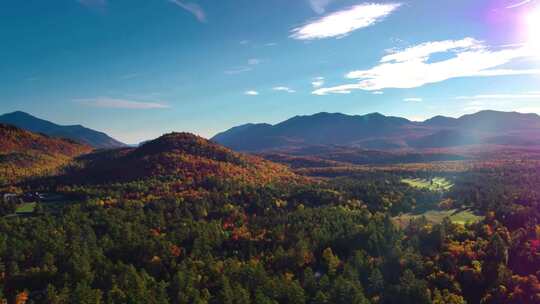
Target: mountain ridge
(79, 133)
(377, 131)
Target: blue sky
(138, 68)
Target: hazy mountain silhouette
(376, 131)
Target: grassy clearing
(26, 208)
(465, 217)
(437, 216)
(439, 184)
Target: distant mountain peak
(19, 113)
(77, 133)
(374, 114)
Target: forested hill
(187, 158)
(78, 133)
(184, 220)
(24, 154)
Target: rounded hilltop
(181, 156)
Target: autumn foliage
(25, 154)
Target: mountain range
(376, 131)
(78, 133)
(372, 131)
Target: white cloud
(271, 44)
(116, 103)
(413, 99)
(341, 23)
(251, 93)
(193, 8)
(284, 89)
(425, 50)
(412, 67)
(377, 92)
(254, 61)
(342, 89)
(317, 82)
(244, 42)
(521, 3)
(319, 6)
(501, 96)
(238, 70)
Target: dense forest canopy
(183, 220)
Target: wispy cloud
(238, 70)
(284, 89)
(425, 50)
(341, 23)
(251, 93)
(319, 6)
(521, 3)
(317, 82)
(413, 99)
(413, 67)
(193, 8)
(116, 103)
(377, 92)
(244, 68)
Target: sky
(139, 68)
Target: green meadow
(434, 184)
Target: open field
(434, 184)
(26, 208)
(435, 216)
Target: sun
(533, 28)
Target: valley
(269, 152)
(194, 222)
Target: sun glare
(533, 27)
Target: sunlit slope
(25, 154)
(180, 156)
